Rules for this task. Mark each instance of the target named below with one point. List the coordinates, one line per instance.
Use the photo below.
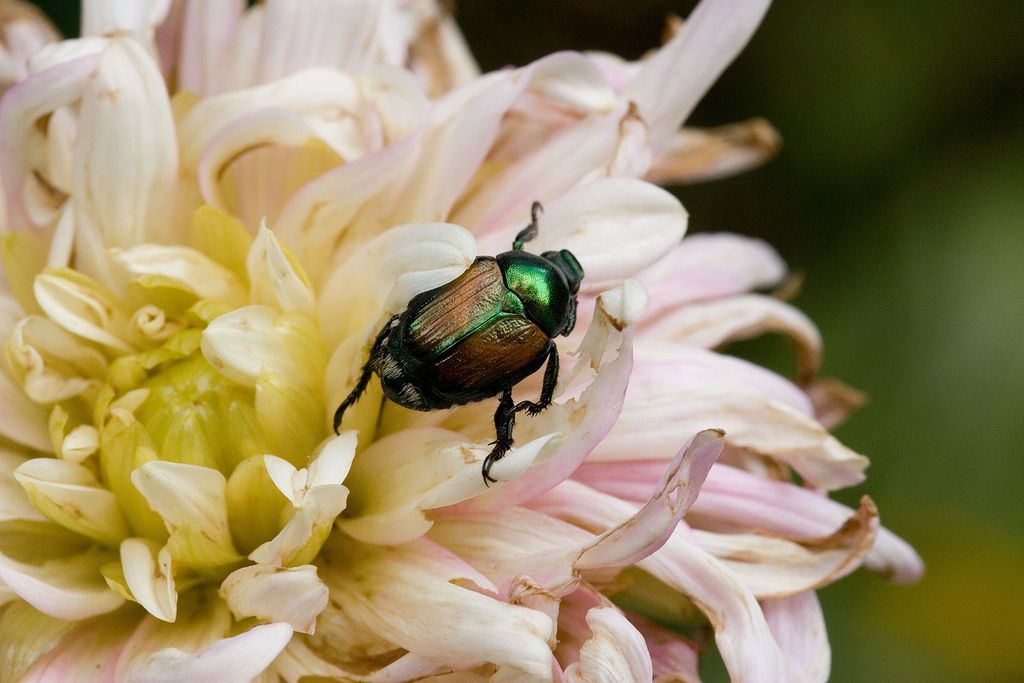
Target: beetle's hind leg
(364, 375)
(530, 231)
(504, 423)
(547, 392)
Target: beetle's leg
(504, 423)
(364, 376)
(530, 231)
(547, 392)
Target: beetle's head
(568, 265)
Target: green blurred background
(900, 195)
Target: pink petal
(207, 36)
(746, 501)
(799, 628)
(68, 587)
(88, 654)
(668, 85)
(709, 266)
(713, 323)
(673, 657)
(615, 652)
(741, 632)
(696, 155)
(239, 658)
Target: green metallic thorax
(546, 296)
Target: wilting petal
(70, 495)
(741, 632)
(126, 159)
(401, 593)
(148, 575)
(615, 652)
(192, 503)
(240, 658)
(695, 154)
(799, 628)
(747, 502)
(606, 351)
(773, 567)
(710, 324)
(614, 226)
(708, 41)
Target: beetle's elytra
(478, 336)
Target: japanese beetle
(478, 336)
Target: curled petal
(23, 30)
(14, 504)
(673, 657)
(100, 17)
(148, 575)
(293, 595)
(70, 495)
(776, 567)
(240, 658)
(799, 628)
(745, 501)
(615, 652)
(187, 267)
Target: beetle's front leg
(547, 392)
(364, 376)
(530, 231)
(504, 423)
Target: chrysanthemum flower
(211, 209)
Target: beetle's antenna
(530, 231)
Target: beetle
(478, 336)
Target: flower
(211, 210)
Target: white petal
(14, 504)
(246, 342)
(668, 85)
(197, 272)
(303, 534)
(398, 478)
(293, 595)
(614, 226)
(70, 495)
(799, 628)
(274, 279)
(417, 579)
(147, 571)
(100, 17)
(126, 156)
(207, 36)
(616, 652)
(191, 501)
(81, 307)
(68, 588)
(237, 659)
(22, 420)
